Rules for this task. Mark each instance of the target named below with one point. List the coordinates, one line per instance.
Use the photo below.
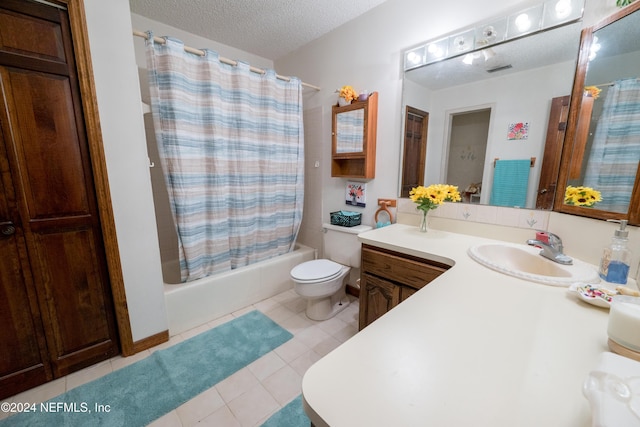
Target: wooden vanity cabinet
(387, 278)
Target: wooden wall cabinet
(353, 139)
(387, 278)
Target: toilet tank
(341, 244)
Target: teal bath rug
(146, 390)
(292, 415)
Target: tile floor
(250, 396)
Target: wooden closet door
(55, 206)
(22, 344)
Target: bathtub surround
(195, 303)
(146, 390)
(231, 145)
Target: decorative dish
(594, 294)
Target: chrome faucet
(552, 250)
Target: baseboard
(149, 342)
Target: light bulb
(563, 8)
(413, 57)
(435, 50)
(523, 22)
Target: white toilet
(322, 282)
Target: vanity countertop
(473, 348)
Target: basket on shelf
(346, 218)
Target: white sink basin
(525, 262)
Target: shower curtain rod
(606, 84)
(222, 59)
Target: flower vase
(424, 224)
(342, 102)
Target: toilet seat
(318, 270)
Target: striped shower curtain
(231, 147)
(615, 152)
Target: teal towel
(510, 183)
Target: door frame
(80, 40)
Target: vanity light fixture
(437, 50)
(562, 9)
(552, 13)
(414, 58)
(525, 22)
(557, 12)
(462, 42)
(491, 33)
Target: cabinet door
(406, 292)
(377, 296)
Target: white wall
(118, 93)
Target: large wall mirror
(602, 151)
(495, 105)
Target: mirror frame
(633, 212)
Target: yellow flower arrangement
(348, 93)
(433, 196)
(581, 196)
(593, 91)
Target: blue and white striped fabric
(232, 149)
(350, 128)
(615, 152)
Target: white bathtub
(200, 301)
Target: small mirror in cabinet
(353, 147)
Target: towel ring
(383, 208)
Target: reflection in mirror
(518, 80)
(467, 147)
(606, 137)
(350, 131)
(415, 149)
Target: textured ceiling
(270, 29)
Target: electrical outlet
(391, 203)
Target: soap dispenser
(614, 265)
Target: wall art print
(518, 130)
(356, 194)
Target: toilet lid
(317, 269)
